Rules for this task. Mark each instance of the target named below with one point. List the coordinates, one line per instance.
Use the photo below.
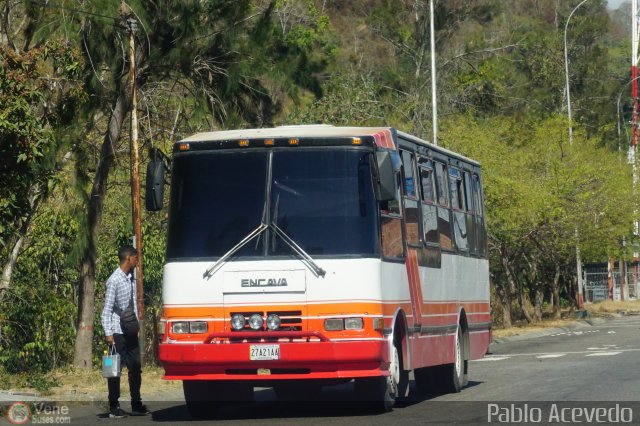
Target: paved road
(591, 367)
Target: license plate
(264, 352)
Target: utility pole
(580, 297)
(132, 26)
(633, 147)
(434, 95)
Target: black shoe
(139, 410)
(117, 413)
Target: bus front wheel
(381, 393)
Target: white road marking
(535, 354)
(604, 353)
(611, 332)
(493, 358)
(550, 356)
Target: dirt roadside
(606, 309)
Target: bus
(304, 256)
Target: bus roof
(314, 131)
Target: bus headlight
(273, 322)
(353, 324)
(198, 326)
(237, 322)
(256, 321)
(334, 324)
(180, 327)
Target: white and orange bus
(303, 256)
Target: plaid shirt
(116, 300)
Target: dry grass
(90, 385)
(501, 333)
(608, 308)
(601, 309)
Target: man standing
(120, 298)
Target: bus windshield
(322, 199)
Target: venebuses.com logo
(18, 413)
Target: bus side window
(408, 172)
(458, 209)
(442, 189)
(481, 231)
(391, 225)
(411, 208)
(471, 221)
(391, 229)
(444, 214)
(454, 176)
(392, 207)
(426, 183)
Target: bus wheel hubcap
(394, 369)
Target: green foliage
(37, 315)
(545, 196)
(349, 100)
(38, 94)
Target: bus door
(412, 219)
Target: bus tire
(201, 398)
(454, 376)
(399, 376)
(381, 393)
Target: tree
(39, 94)
(538, 188)
(205, 47)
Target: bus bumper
(298, 360)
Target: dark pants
(129, 350)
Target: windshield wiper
(306, 259)
(253, 234)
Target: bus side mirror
(386, 185)
(155, 183)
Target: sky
(614, 4)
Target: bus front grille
(289, 320)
